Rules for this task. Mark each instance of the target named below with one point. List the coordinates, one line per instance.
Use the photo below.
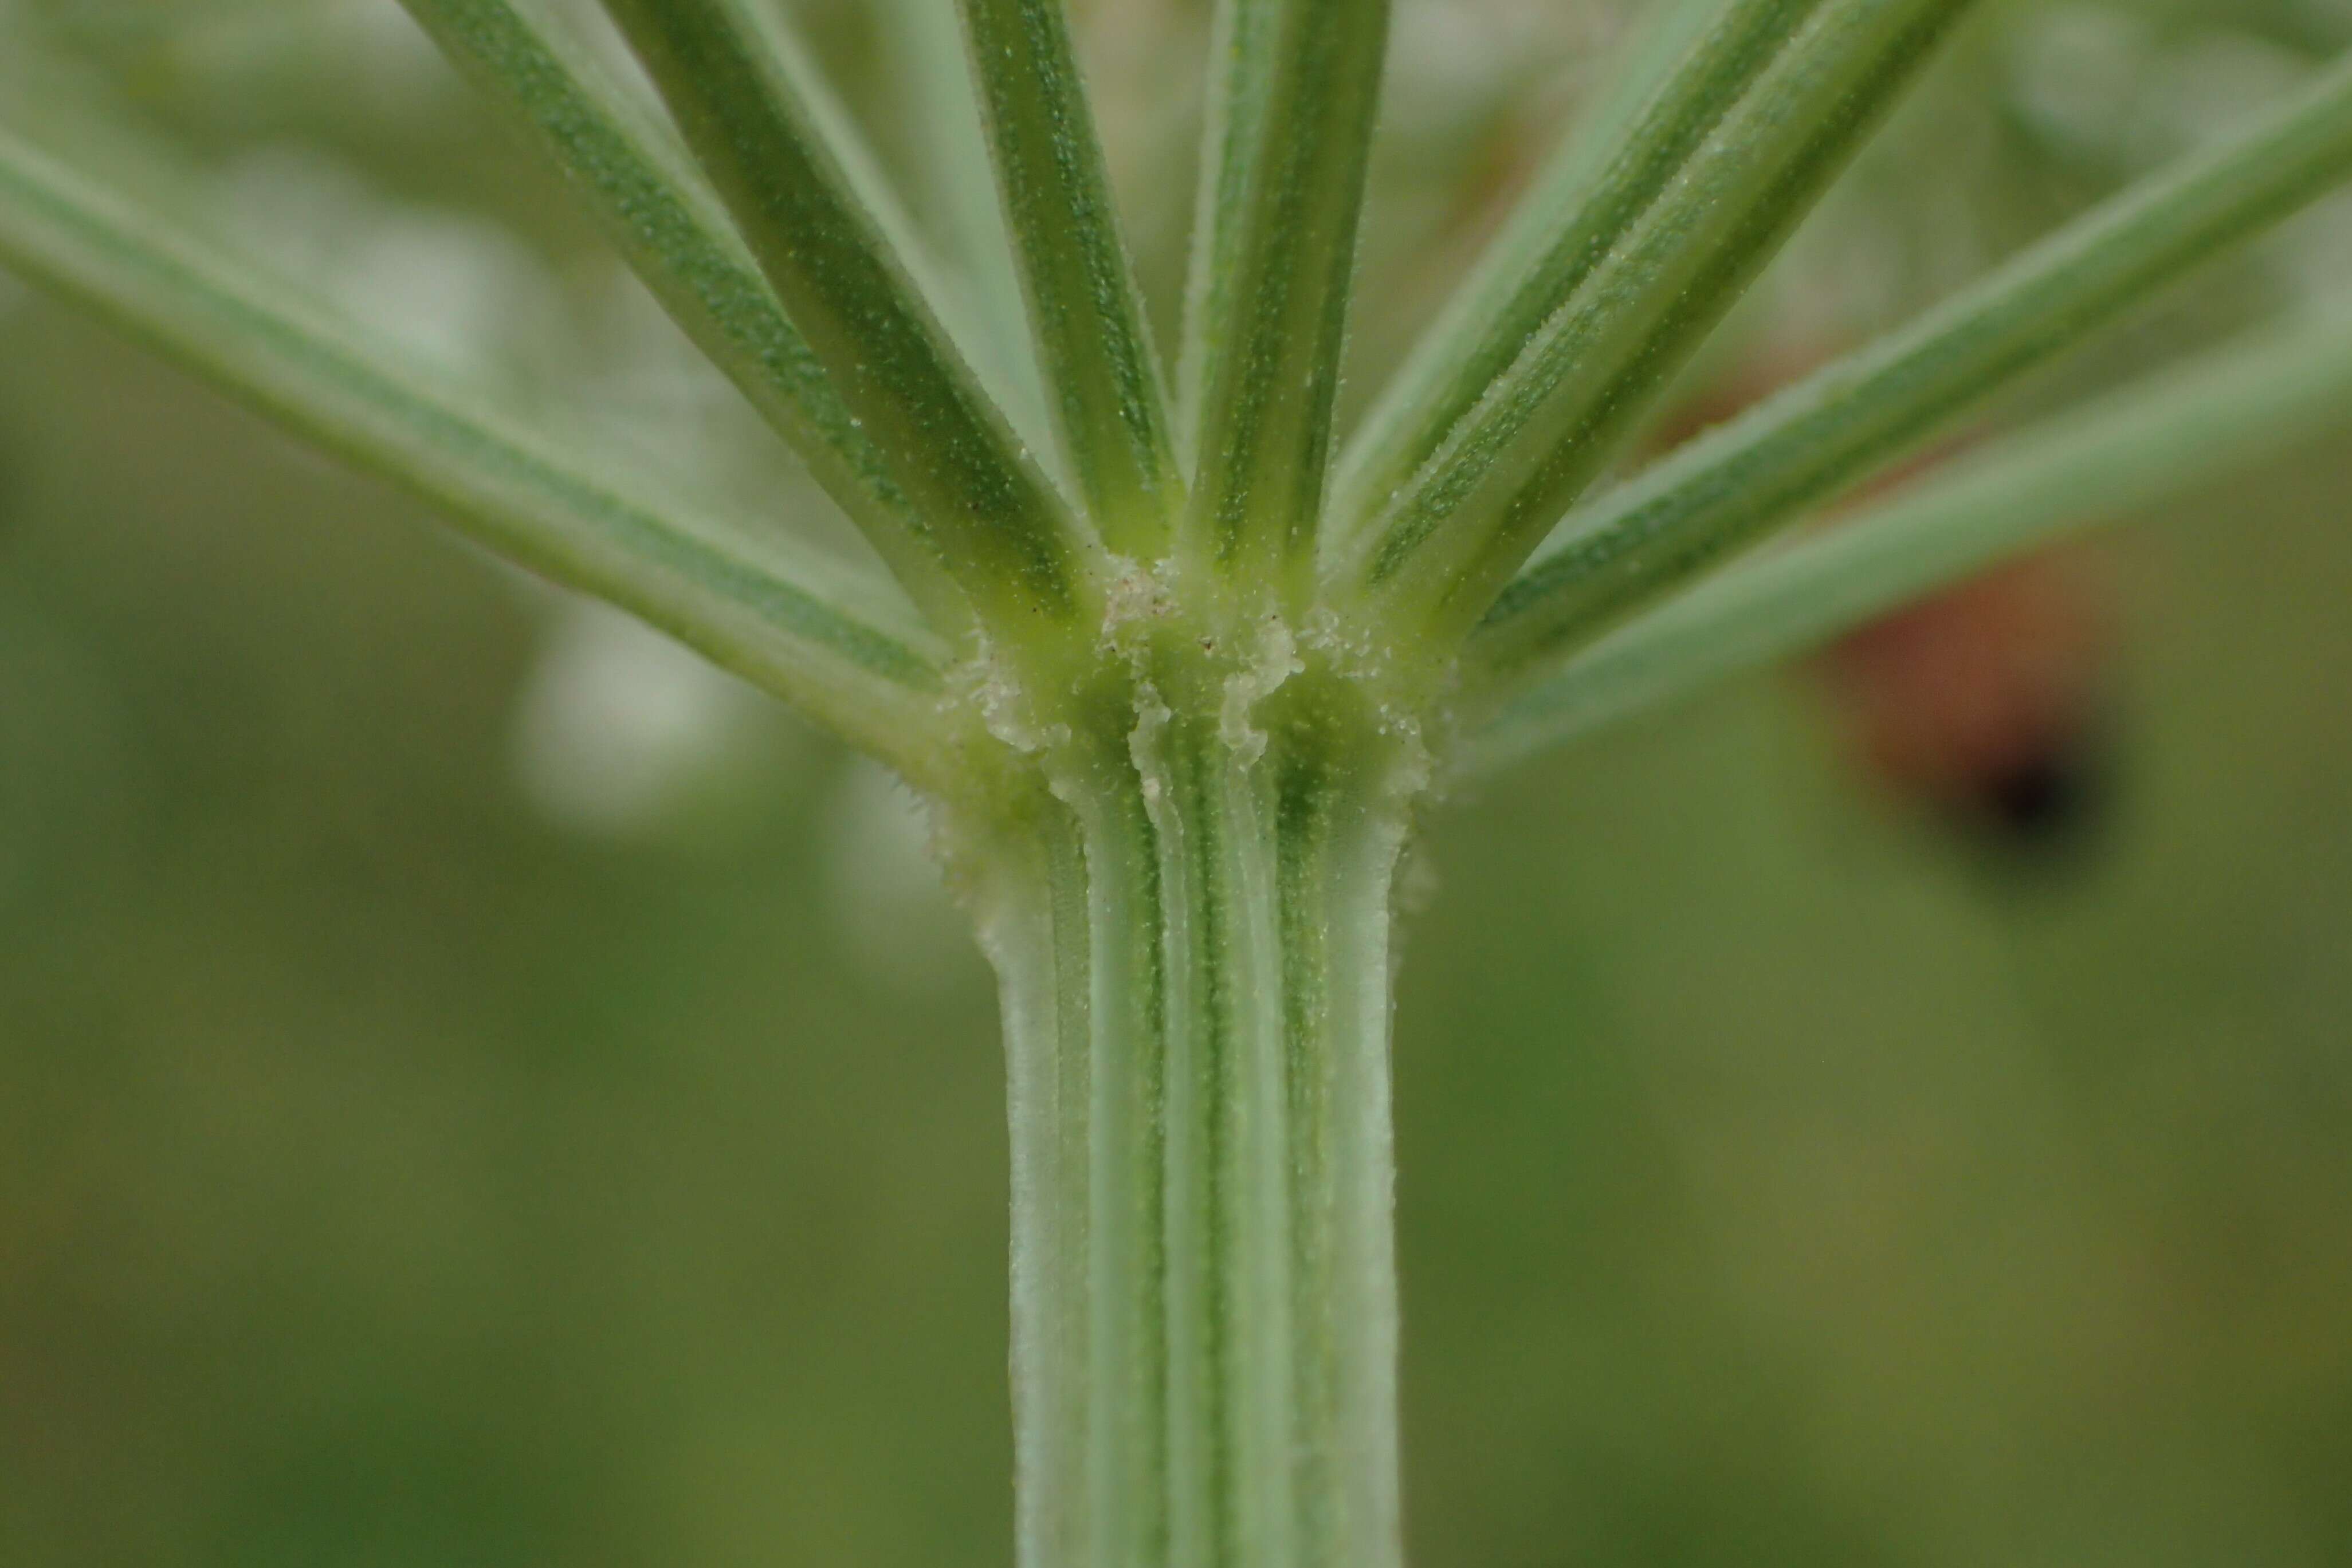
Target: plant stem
(2226, 410)
(1192, 934)
(1730, 488)
(1675, 240)
(1265, 427)
(1109, 407)
(808, 629)
(757, 120)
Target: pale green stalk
(2123, 454)
(1108, 406)
(1801, 448)
(954, 188)
(1010, 542)
(985, 325)
(1241, 68)
(1195, 955)
(816, 637)
(1449, 542)
(1265, 435)
(658, 214)
(963, 262)
(1685, 70)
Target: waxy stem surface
(1185, 881)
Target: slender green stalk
(817, 638)
(981, 321)
(657, 212)
(1108, 404)
(954, 189)
(733, 87)
(1266, 421)
(1204, 1290)
(2126, 452)
(1448, 543)
(1687, 71)
(1241, 69)
(1801, 448)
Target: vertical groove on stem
(1305, 846)
(1126, 1364)
(1184, 816)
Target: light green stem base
(1194, 941)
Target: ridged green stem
(1265, 425)
(1734, 485)
(755, 115)
(804, 627)
(2225, 410)
(1109, 407)
(1657, 108)
(1194, 941)
(1447, 543)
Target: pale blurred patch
(2075, 73)
(617, 724)
(459, 294)
(398, 65)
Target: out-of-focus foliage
(477, 1088)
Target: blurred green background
(476, 1088)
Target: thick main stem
(1192, 932)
